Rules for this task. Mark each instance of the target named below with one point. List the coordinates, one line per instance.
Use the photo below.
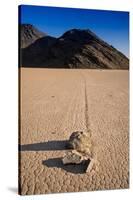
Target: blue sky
(111, 26)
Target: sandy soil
(54, 103)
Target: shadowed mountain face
(74, 49)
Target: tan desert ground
(57, 102)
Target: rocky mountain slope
(74, 49)
(29, 34)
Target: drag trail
(54, 103)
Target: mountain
(29, 34)
(74, 49)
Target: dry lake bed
(57, 102)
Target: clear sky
(111, 26)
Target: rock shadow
(72, 168)
(45, 146)
(13, 189)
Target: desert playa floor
(57, 102)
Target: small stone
(81, 141)
(72, 157)
(81, 155)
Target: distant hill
(29, 34)
(74, 49)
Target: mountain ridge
(76, 48)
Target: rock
(73, 157)
(81, 141)
(86, 163)
(93, 166)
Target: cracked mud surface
(55, 103)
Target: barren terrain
(54, 103)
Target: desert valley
(76, 82)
